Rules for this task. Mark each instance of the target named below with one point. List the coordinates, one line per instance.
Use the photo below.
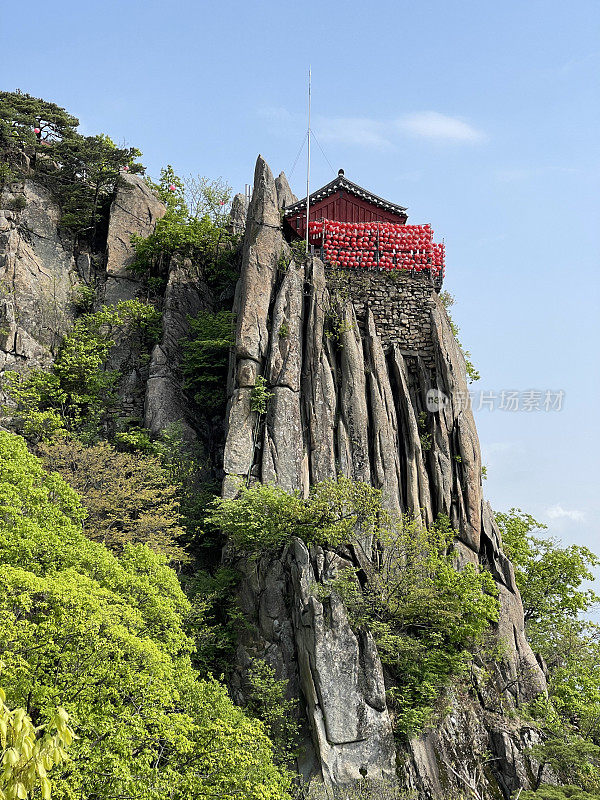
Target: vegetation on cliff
(40, 139)
(426, 616)
(196, 226)
(114, 603)
(552, 581)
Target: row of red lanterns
(385, 260)
(379, 245)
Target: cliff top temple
(355, 228)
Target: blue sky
(481, 117)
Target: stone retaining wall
(401, 305)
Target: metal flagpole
(308, 166)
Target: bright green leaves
(196, 226)
(550, 580)
(265, 517)
(79, 393)
(260, 396)
(426, 616)
(103, 637)
(28, 753)
(549, 577)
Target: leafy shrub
(264, 517)
(29, 752)
(425, 615)
(79, 394)
(268, 701)
(260, 396)
(547, 792)
(83, 298)
(197, 229)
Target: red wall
(344, 207)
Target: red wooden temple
(353, 227)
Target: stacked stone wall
(400, 302)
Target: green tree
(127, 496)
(104, 638)
(90, 170)
(81, 171)
(549, 577)
(552, 580)
(268, 701)
(198, 231)
(425, 615)
(21, 114)
(205, 358)
(265, 517)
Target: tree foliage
(127, 496)
(197, 230)
(425, 615)
(567, 792)
(205, 358)
(552, 580)
(81, 171)
(549, 577)
(104, 638)
(268, 701)
(265, 517)
(78, 395)
(28, 753)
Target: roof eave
(353, 188)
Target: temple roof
(341, 183)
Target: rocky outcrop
(262, 251)
(349, 396)
(38, 276)
(238, 214)
(165, 403)
(135, 210)
(337, 672)
(285, 196)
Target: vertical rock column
(262, 251)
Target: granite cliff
(349, 381)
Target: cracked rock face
(37, 278)
(165, 402)
(135, 210)
(346, 399)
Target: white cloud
(360, 131)
(376, 134)
(440, 127)
(558, 512)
